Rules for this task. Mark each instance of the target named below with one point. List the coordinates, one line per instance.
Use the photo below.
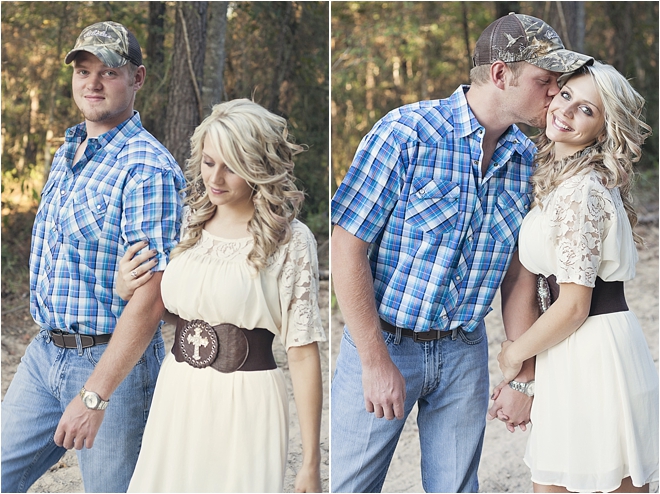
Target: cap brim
(562, 61)
(108, 57)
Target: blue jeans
(448, 379)
(46, 381)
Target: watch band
(525, 388)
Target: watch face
(91, 400)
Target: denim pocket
(432, 205)
(473, 337)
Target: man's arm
(383, 384)
(519, 311)
(135, 329)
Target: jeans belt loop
(397, 338)
(79, 344)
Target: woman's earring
(199, 188)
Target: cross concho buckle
(198, 343)
(543, 294)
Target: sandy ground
(502, 468)
(18, 329)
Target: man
(87, 379)
(426, 222)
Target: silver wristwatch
(525, 388)
(92, 400)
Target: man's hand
(78, 426)
(511, 407)
(384, 389)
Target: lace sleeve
(299, 291)
(581, 213)
(185, 221)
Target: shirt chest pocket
(432, 205)
(85, 216)
(508, 214)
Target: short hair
(480, 75)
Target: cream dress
(213, 432)
(595, 409)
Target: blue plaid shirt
(441, 235)
(125, 188)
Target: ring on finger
(134, 273)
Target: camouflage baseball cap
(111, 42)
(523, 38)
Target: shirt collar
(465, 123)
(114, 137)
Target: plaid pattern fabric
(441, 235)
(125, 188)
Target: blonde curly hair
(613, 154)
(254, 144)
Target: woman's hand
(135, 271)
(308, 479)
(509, 366)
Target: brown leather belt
(607, 296)
(68, 340)
(225, 347)
(431, 335)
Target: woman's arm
(305, 367)
(135, 271)
(561, 320)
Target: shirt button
(62, 192)
(475, 162)
(458, 278)
(526, 206)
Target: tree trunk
(153, 114)
(284, 41)
(214, 61)
(504, 8)
(62, 21)
(184, 98)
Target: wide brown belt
(225, 347)
(607, 297)
(68, 340)
(433, 334)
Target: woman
(595, 410)
(245, 270)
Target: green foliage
(388, 54)
(275, 51)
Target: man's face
(530, 97)
(104, 95)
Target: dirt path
(502, 468)
(18, 329)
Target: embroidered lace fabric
(581, 211)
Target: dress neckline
(225, 239)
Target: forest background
(196, 54)
(388, 54)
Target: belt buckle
(199, 343)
